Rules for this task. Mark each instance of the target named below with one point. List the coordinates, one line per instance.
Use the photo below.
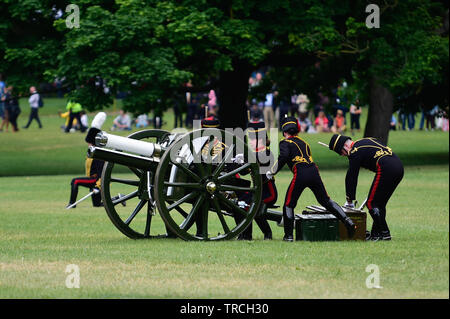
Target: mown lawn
(39, 238)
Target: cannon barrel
(125, 144)
(118, 157)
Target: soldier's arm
(283, 158)
(351, 179)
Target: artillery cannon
(194, 180)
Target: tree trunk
(380, 112)
(232, 96)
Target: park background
(39, 238)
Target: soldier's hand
(239, 159)
(269, 175)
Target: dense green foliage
(150, 48)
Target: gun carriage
(194, 180)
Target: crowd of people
(324, 114)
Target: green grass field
(39, 238)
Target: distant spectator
(12, 108)
(355, 114)
(34, 105)
(302, 102)
(157, 118)
(255, 114)
(269, 114)
(339, 123)
(74, 108)
(321, 122)
(393, 123)
(142, 121)
(305, 124)
(66, 116)
(122, 122)
(431, 118)
(2, 100)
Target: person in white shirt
(122, 122)
(34, 105)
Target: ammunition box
(359, 218)
(316, 227)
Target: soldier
(373, 155)
(296, 153)
(259, 142)
(94, 169)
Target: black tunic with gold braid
(296, 153)
(371, 154)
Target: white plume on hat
(98, 120)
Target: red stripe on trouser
(374, 188)
(85, 181)
(272, 193)
(291, 188)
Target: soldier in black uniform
(258, 141)
(92, 180)
(296, 153)
(373, 155)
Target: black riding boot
(385, 232)
(375, 234)
(264, 226)
(288, 221)
(262, 223)
(337, 211)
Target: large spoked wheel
(208, 186)
(125, 191)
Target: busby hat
(256, 128)
(210, 122)
(337, 142)
(290, 124)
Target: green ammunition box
(359, 218)
(316, 227)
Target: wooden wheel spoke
(187, 171)
(125, 181)
(234, 172)
(184, 185)
(205, 211)
(226, 158)
(232, 205)
(125, 198)
(181, 211)
(236, 188)
(181, 201)
(136, 211)
(136, 171)
(190, 218)
(220, 215)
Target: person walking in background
(355, 114)
(34, 101)
(75, 110)
(12, 108)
